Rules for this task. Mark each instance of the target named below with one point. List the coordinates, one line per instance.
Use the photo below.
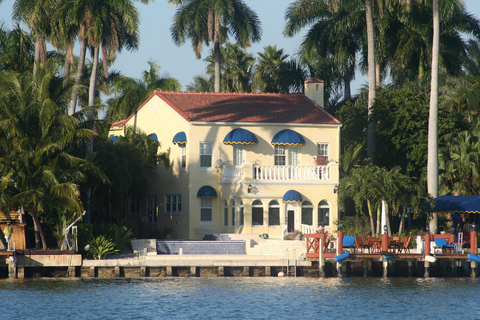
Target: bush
(101, 246)
(355, 225)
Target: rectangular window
(233, 213)
(183, 161)
(257, 216)
(206, 210)
(225, 214)
(206, 154)
(322, 154)
(280, 155)
(173, 204)
(240, 213)
(152, 209)
(238, 155)
(293, 156)
(273, 216)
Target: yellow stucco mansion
(250, 163)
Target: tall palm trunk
(91, 95)
(371, 141)
(432, 161)
(36, 57)
(216, 54)
(78, 77)
(40, 239)
(379, 213)
(67, 63)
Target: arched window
(257, 213)
(225, 213)
(323, 213)
(240, 212)
(274, 213)
(307, 213)
(232, 208)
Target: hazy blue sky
(180, 62)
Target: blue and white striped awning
(180, 138)
(154, 137)
(292, 196)
(240, 136)
(206, 192)
(288, 137)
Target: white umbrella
(384, 218)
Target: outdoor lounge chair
(349, 242)
(442, 243)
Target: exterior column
(427, 252)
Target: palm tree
(16, 48)
(432, 158)
(335, 33)
(211, 21)
(129, 93)
(39, 172)
(37, 15)
(202, 83)
(236, 68)
(271, 67)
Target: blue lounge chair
(442, 243)
(349, 242)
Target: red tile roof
(243, 107)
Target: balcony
(275, 173)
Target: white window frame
(274, 204)
(174, 201)
(206, 153)
(323, 150)
(280, 155)
(238, 155)
(293, 156)
(324, 205)
(258, 206)
(206, 205)
(183, 157)
(307, 205)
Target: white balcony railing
(291, 172)
(232, 172)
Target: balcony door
(293, 159)
(238, 155)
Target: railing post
(473, 250)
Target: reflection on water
(240, 298)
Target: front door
(290, 220)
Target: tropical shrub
(101, 246)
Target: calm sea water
(241, 298)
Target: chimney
(314, 91)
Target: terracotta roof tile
(242, 107)
(246, 107)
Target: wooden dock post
(246, 271)
(193, 271)
(169, 271)
(410, 268)
(144, 272)
(385, 268)
(117, 272)
(321, 256)
(93, 272)
(221, 271)
(473, 250)
(339, 251)
(71, 272)
(268, 271)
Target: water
(241, 298)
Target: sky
(180, 61)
